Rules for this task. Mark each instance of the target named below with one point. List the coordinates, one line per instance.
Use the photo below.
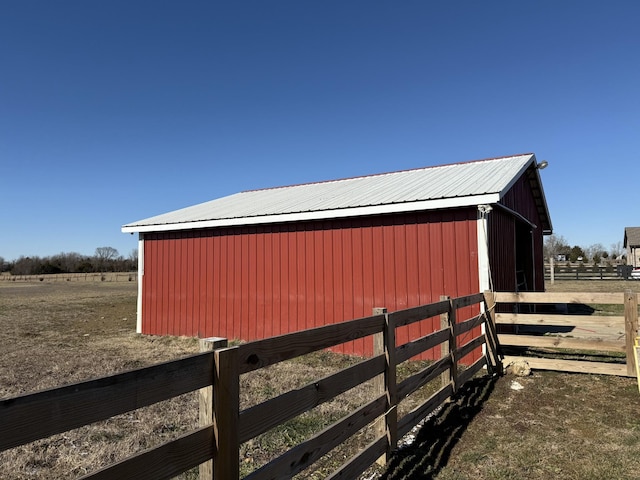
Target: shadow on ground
(430, 451)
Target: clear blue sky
(115, 111)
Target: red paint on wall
(257, 282)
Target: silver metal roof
(446, 186)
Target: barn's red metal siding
(256, 282)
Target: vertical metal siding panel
(263, 285)
(284, 283)
(357, 280)
(388, 267)
(347, 273)
(399, 261)
(309, 278)
(236, 293)
(413, 283)
(224, 286)
(250, 297)
(293, 286)
(300, 277)
(357, 271)
(186, 297)
(319, 294)
(378, 267)
(368, 301)
(449, 253)
(336, 273)
(169, 290)
(205, 287)
(327, 268)
(214, 323)
(272, 327)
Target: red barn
(266, 262)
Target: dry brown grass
(560, 425)
(54, 334)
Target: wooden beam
(559, 297)
(561, 342)
(40, 415)
(276, 411)
(579, 321)
(164, 461)
(269, 351)
(572, 366)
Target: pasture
(555, 425)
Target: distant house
(632, 245)
(265, 262)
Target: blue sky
(115, 111)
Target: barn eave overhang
(436, 204)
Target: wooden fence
(73, 277)
(536, 324)
(586, 272)
(224, 427)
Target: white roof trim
(322, 214)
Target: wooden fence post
(385, 343)
(226, 413)
(491, 334)
(205, 399)
(631, 328)
(448, 320)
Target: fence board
(164, 461)
(269, 351)
(470, 324)
(415, 314)
(467, 300)
(406, 423)
(559, 297)
(306, 453)
(469, 347)
(591, 321)
(468, 373)
(424, 376)
(422, 344)
(363, 460)
(39, 415)
(561, 342)
(574, 366)
(260, 418)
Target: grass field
(558, 425)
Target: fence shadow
(430, 450)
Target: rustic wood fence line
(586, 272)
(74, 277)
(534, 324)
(224, 427)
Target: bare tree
(104, 256)
(616, 250)
(555, 244)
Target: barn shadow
(431, 449)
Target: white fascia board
(321, 215)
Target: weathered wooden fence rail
(586, 272)
(224, 427)
(73, 277)
(562, 332)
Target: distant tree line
(557, 247)
(105, 259)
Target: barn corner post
(448, 348)
(384, 343)
(226, 414)
(631, 329)
(205, 399)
